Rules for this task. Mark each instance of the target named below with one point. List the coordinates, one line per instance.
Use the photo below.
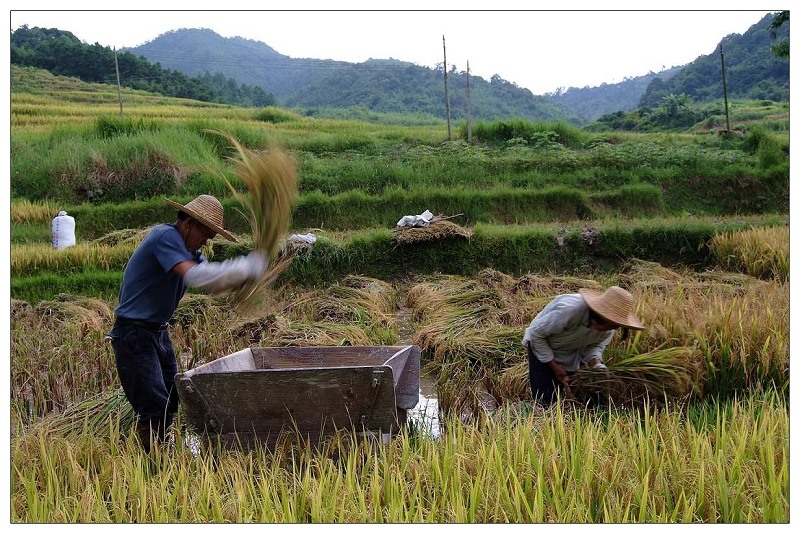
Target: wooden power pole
(725, 92)
(119, 88)
(446, 95)
(469, 109)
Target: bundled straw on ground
(271, 181)
(437, 229)
(93, 415)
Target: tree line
(63, 54)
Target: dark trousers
(147, 367)
(544, 385)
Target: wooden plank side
(298, 357)
(237, 361)
(406, 376)
(265, 400)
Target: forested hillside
(379, 85)
(61, 53)
(591, 103)
(752, 70)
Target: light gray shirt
(561, 332)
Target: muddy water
(425, 415)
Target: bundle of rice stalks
(317, 334)
(479, 348)
(550, 286)
(271, 181)
(659, 376)
(127, 236)
(736, 280)
(492, 278)
(373, 286)
(437, 229)
(19, 308)
(343, 304)
(93, 415)
(254, 329)
(83, 313)
(198, 305)
(636, 271)
(513, 382)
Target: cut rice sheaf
(271, 181)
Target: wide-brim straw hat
(614, 304)
(208, 211)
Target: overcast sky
(539, 50)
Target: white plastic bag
(423, 219)
(63, 227)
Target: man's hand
(559, 373)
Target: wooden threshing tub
(254, 395)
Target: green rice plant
(275, 114)
(761, 252)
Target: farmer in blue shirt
(574, 330)
(155, 279)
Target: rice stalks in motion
(271, 181)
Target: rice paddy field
(695, 429)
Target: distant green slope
(752, 70)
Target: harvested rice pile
(92, 416)
(437, 229)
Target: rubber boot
(145, 435)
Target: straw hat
(614, 304)
(206, 210)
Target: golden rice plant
(761, 252)
(30, 258)
(659, 376)
(25, 211)
(271, 181)
(728, 465)
(317, 334)
(741, 330)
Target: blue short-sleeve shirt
(149, 290)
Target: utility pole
(469, 109)
(446, 96)
(119, 88)
(725, 91)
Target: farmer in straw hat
(574, 330)
(155, 279)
